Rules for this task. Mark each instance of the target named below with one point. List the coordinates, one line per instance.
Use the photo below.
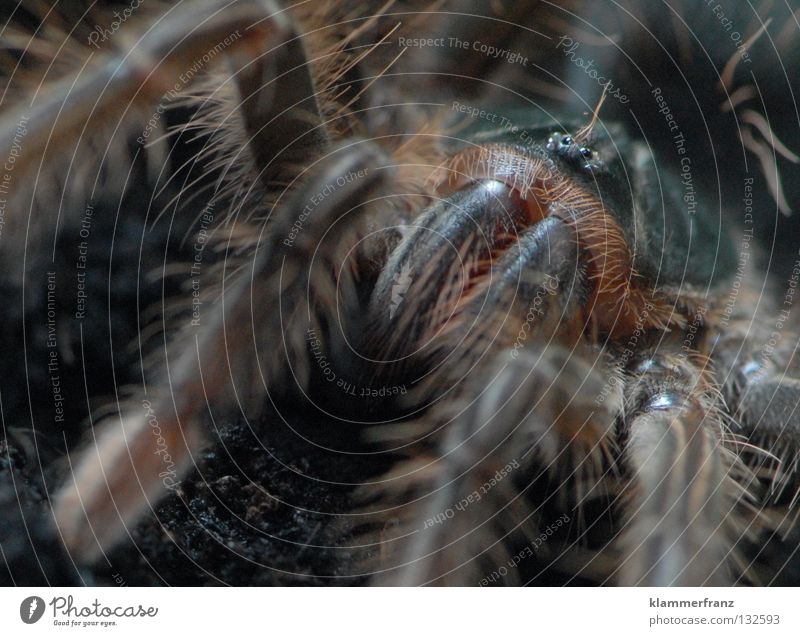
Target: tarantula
(419, 293)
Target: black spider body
(356, 319)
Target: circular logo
(31, 609)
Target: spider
(418, 294)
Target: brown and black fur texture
(339, 305)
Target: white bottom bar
(401, 611)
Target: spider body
(393, 347)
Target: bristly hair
(534, 433)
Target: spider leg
(231, 361)
(767, 412)
(215, 364)
(759, 373)
(246, 31)
(280, 108)
(544, 407)
(540, 411)
(684, 492)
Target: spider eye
(566, 141)
(553, 141)
(586, 152)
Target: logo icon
(31, 609)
